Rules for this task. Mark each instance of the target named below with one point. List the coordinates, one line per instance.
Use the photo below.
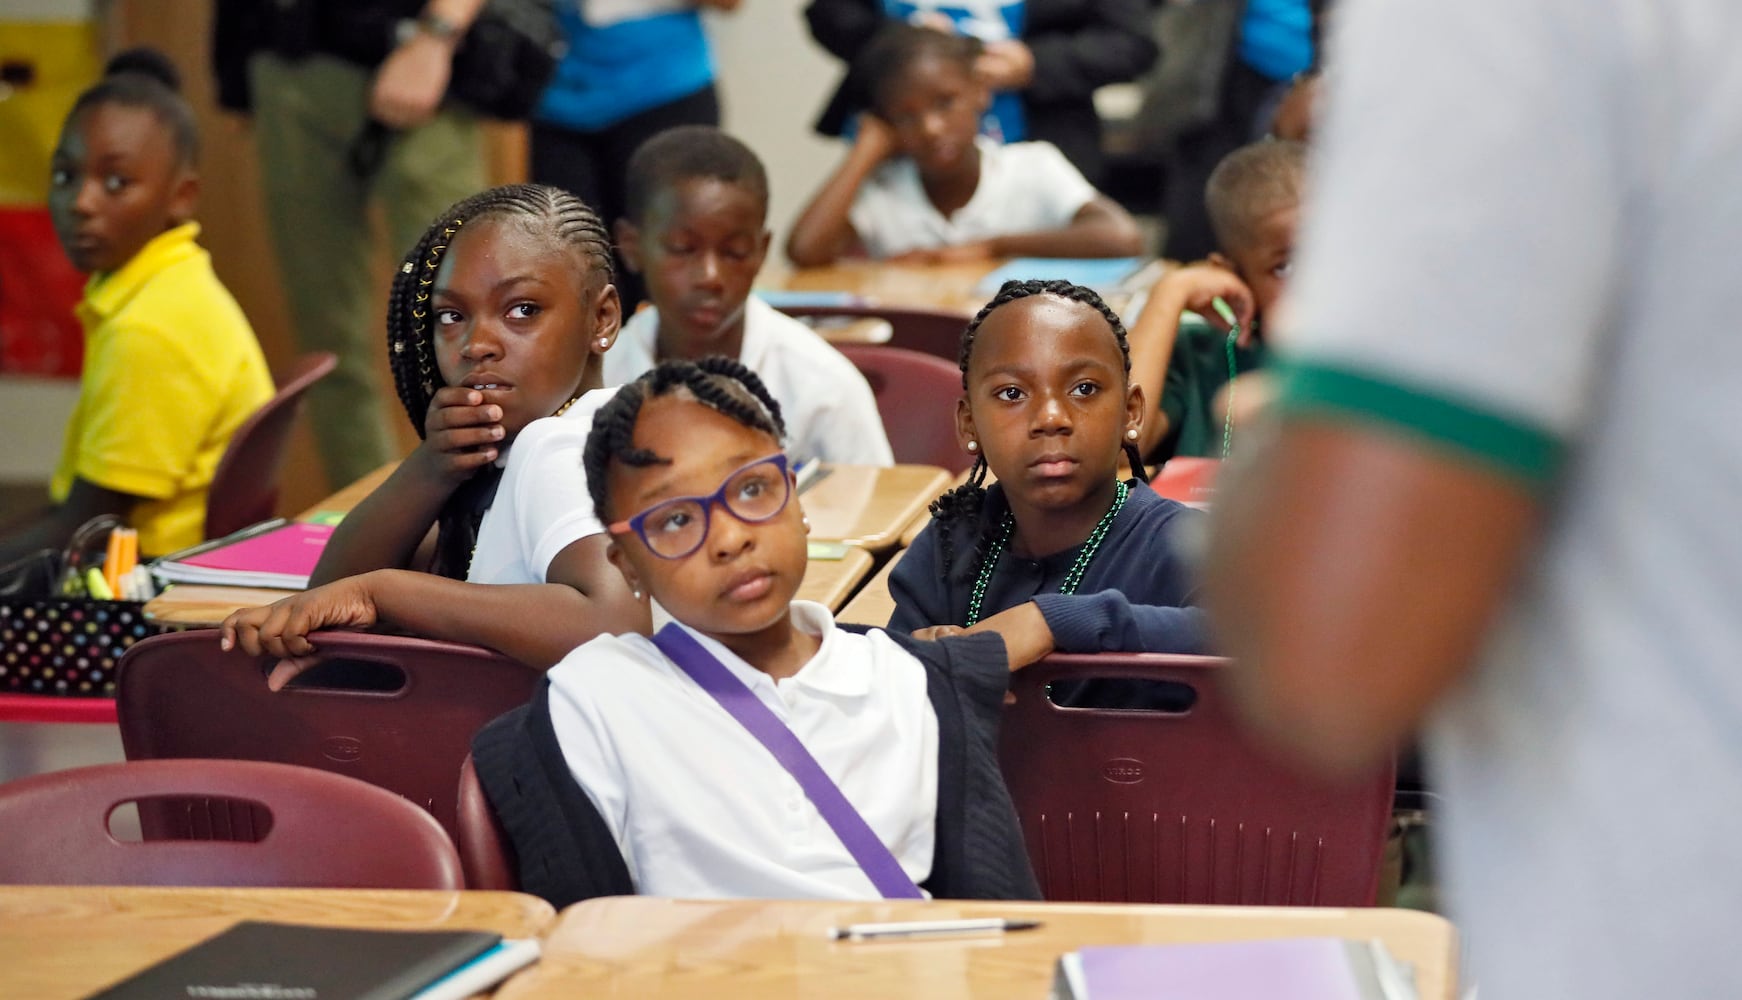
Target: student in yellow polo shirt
(172, 368)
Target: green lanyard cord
(1227, 314)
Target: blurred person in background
(1497, 492)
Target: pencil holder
(67, 646)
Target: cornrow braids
(719, 383)
(411, 351)
(962, 505)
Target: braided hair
(719, 383)
(411, 328)
(963, 504)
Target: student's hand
(932, 633)
(411, 81)
(933, 20)
(282, 629)
(461, 434)
(876, 140)
(1294, 116)
(1197, 287)
(1005, 65)
(1027, 637)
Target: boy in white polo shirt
(920, 184)
(697, 234)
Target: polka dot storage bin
(67, 646)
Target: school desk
(657, 948)
(870, 506)
(69, 941)
(872, 605)
(946, 287)
(828, 582)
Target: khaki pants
(306, 116)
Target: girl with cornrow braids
(631, 772)
(496, 325)
(1058, 551)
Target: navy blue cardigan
(1137, 594)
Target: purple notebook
(1296, 968)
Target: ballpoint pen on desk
(926, 928)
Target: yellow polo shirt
(171, 370)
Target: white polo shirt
(828, 407)
(1025, 187)
(542, 505)
(1520, 249)
(701, 810)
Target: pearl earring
(1131, 434)
(604, 342)
(637, 594)
(973, 446)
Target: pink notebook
(280, 557)
(1295, 968)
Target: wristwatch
(433, 25)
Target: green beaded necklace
(1227, 314)
(1078, 568)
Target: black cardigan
(564, 852)
(1078, 46)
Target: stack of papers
(1297, 968)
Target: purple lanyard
(742, 704)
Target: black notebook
(264, 961)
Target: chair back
(1177, 807)
(916, 397)
(485, 854)
(937, 332)
(244, 488)
(307, 829)
(395, 711)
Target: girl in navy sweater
(1059, 550)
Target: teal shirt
(1197, 371)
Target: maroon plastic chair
(916, 397)
(937, 332)
(244, 488)
(394, 711)
(1154, 807)
(485, 854)
(319, 830)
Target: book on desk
(1298, 968)
(292, 962)
(278, 554)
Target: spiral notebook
(279, 554)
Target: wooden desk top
(69, 941)
(949, 287)
(869, 506)
(353, 494)
(654, 948)
(873, 605)
(946, 287)
(829, 581)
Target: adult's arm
(1355, 573)
(1448, 337)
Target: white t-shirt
(828, 407)
(701, 810)
(542, 505)
(1025, 187)
(1520, 245)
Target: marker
(925, 928)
